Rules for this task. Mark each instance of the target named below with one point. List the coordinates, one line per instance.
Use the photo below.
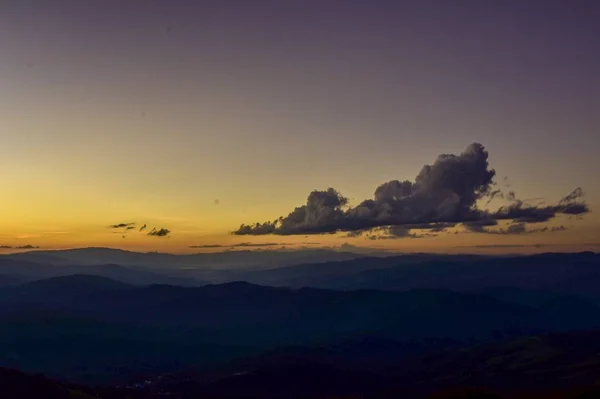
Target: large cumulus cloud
(444, 193)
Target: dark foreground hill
(94, 330)
(548, 366)
(17, 385)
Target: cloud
(159, 233)
(521, 228)
(489, 246)
(445, 192)
(354, 234)
(240, 245)
(398, 232)
(348, 247)
(518, 228)
(260, 244)
(217, 201)
(521, 211)
(19, 247)
(478, 226)
(486, 246)
(132, 226)
(121, 225)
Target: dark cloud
(121, 225)
(521, 228)
(354, 234)
(517, 228)
(240, 245)
(445, 192)
(27, 247)
(259, 244)
(348, 247)
(159, 232)
(488, 246)
(5, 246)
(398, 232)
(127, 227)
(478, 226)
(521, 211)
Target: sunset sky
(198, 116)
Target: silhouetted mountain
(549, 366)
(218, 260)
(576, 273)
(21, 271)
(8, 279)
(89, 328)
(17, 385)
(61, 289)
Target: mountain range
(377, 326)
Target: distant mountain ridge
(568, 273)
(224, 259)
(18, 271)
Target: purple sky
(151, 110)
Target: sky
(199, 116)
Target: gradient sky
(198, 116)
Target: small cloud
(217, 201)
(144, 227)
(491, 246)
(354, 234)
(159, 233)
(518, 228)
(399, 232)
(478, 226)
(27, 247)
(130, 228)
(259, 244)
(240, 245)
(29, 236)
(121, 225)
(348, 247)
(5, 246)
